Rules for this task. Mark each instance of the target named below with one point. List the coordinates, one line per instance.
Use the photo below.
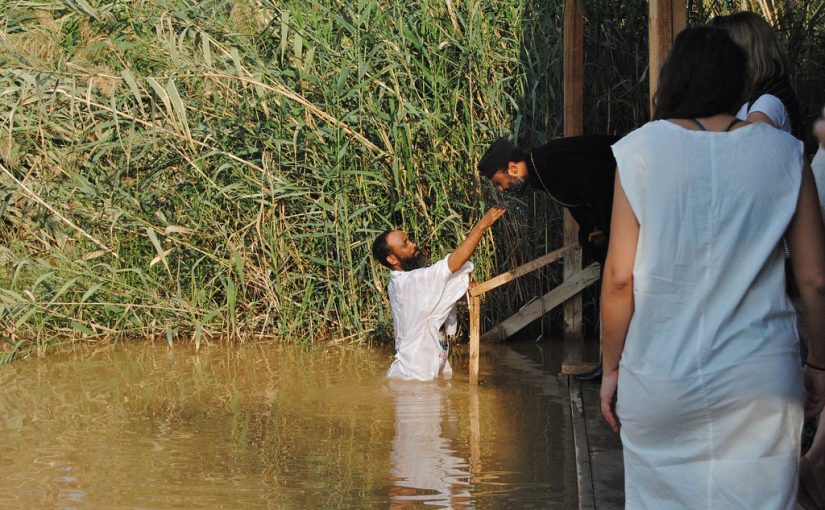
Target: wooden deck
(599, 462)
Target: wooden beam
(573, 126)
(679, 12)
(523, 269)
(572, 266)
(573, 68)
(475, 331)
(581, 447)
(666, 18)
(541, 306)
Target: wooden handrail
(522, 270)
(529, 313)
(558, 295)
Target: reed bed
(180, 169)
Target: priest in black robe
(576, 172)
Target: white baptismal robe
(818, 168)
(422, 301)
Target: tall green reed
(193, 170)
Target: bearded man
(576, 172)
(423, 298)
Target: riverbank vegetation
(183, 169)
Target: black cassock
(577, 172)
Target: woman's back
(708, 274)
(710, 389)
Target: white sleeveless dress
(710, 388)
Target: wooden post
(475, 334)
(666, 18)
(573, 126)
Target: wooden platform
(599, 462)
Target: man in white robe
(423, 298)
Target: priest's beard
(516, 186)
(416, 261)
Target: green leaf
(207, 49)
(177, 104)
(89, 293)
(129, 78)
(82, 328)
(161, 93)
(158, 248)
(66, 286)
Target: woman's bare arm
(617, 295)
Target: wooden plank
(581, 444)
(523, 269)
(475, 330)
(572, 266)
(573, 126)
(606, 458)
(540, 306)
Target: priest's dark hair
(498, 155)
(381, 249)
(704, 75)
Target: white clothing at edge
(422, 301)
(772, 107)
(710, 387)
(818, 167)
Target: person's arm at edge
(465, 250)
(806, 237)
(768, 109)
(617, 296)
(760, 117)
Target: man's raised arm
(465, 250)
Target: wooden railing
(529, 313)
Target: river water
(268, 425)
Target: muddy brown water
(267, 425)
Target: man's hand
(597, 238)
(492, 215)
(815, 391)
(465, 250)
(607, 394)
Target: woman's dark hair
(704, 75)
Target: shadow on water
(267, 425)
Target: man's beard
(516, 186)
(414, 262)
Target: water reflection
(425, 465)
(265, 425)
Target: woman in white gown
(699, 336)
(769, 95)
